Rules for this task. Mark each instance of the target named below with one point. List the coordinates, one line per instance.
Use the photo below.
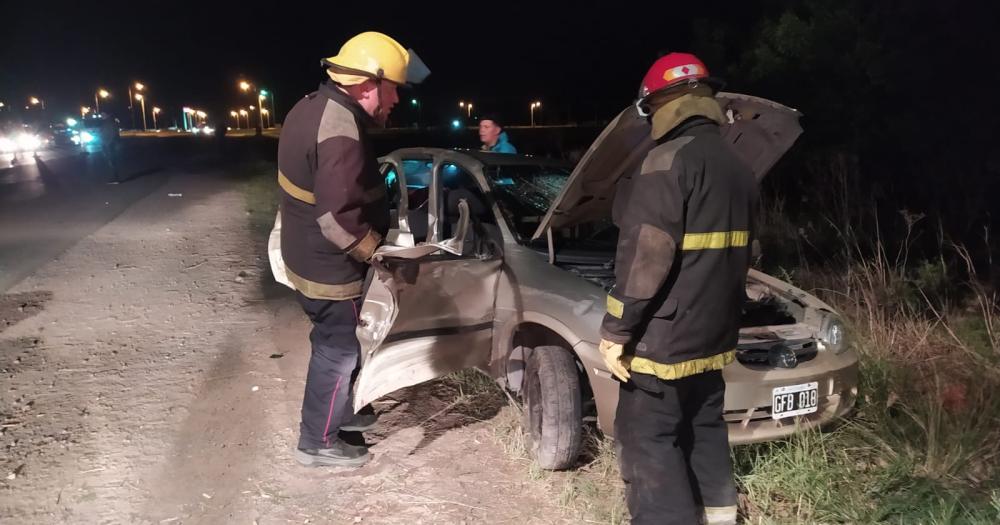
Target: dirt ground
(153, 374)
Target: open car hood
(760, 131)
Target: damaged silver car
(503, 262)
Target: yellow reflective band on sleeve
(615, 307)
(720, 515)
(715, 240)
(296, 192)
(683, 369)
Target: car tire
(553, 420)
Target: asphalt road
(49, 203)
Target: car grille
(757, 353)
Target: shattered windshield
(525, 192)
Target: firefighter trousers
(333, 365)
(673, 449)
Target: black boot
(338, 454)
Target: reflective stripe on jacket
(334, 209)
(685, 227)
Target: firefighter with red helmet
(672, 322)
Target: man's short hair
(492, 116)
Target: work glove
(612, 353)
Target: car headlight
(833, 335)
(86, 137)
(29, 142)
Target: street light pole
(260, 109)
(416, 103)
(98, 95)
(534, 105)
(155, 111)
(274, 108)
(142, 106)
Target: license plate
(794, 400)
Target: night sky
(583, 63)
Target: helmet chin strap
(378, 93)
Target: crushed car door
(427, 313)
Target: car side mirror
(453, 245)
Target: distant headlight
(208, 130)
(86, 137)
(196, 130)
(28, 142)
(833, 335)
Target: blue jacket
(503, 145)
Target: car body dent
(452, 332)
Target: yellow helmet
(369, 55)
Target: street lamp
(260, 113)
(267, 114)
(533, 106)
(156, 111)
(274, 106)
(244, 85)
(416, 103)
(243, 113)
(99, 94)
(83, 111)
(142, 105)
(34, 101)
(139, 86)
(235, 116)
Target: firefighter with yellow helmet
(334, 214)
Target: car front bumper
(749, 393)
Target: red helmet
(675, 69)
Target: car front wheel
(552, 412)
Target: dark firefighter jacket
(685, 222)
(334, 211)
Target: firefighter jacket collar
(673, 113)
(329, 90)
